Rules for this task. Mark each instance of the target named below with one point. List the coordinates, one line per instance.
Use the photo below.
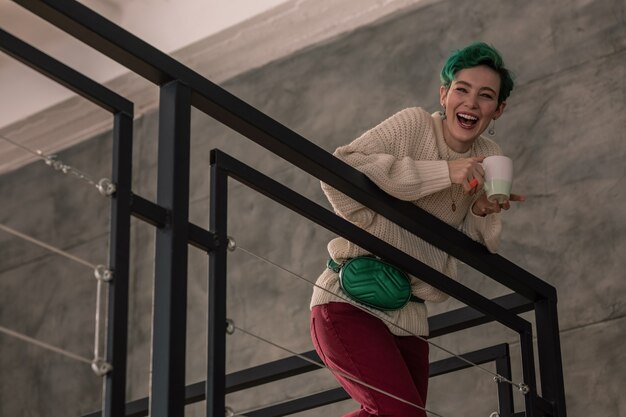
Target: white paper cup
(498, 177)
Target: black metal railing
(180, 89)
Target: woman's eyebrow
(470, 85)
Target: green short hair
(473, 55)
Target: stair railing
(180, 89)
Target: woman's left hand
(482, 206)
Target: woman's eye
(489, 96)
(461, 89)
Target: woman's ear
(443, 92)
(499, 110)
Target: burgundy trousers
(356, 343)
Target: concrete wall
(563, 127)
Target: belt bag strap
(374, 282)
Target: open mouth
(467, 121)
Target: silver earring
(443, 114)
(492, 129)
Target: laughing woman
(433, 161)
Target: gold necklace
(452, 198)
(451, 185)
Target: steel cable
(102, 274)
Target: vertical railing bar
(549, 353)
(528, 372)
(170, 277)
(505, 391)
(216, 333)
(119, 254)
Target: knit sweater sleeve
(394, 156)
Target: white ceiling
(167, 24)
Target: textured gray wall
(563, 127)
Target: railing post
(528, 372)
(216, 343)
(549, 352)
(167, 397)
(119, 253)
(505, 390)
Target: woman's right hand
(482, 206)
(464, 171)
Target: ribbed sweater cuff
(484, 229)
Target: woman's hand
(468, 172)
(483, 206)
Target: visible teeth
(468, 116)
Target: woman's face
(470, 103)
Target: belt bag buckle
(375, 283)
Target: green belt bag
(374, 283)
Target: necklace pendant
(453, 207)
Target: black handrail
(305, 207)
(224, 166)
(64, 75)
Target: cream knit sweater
(405, 156)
